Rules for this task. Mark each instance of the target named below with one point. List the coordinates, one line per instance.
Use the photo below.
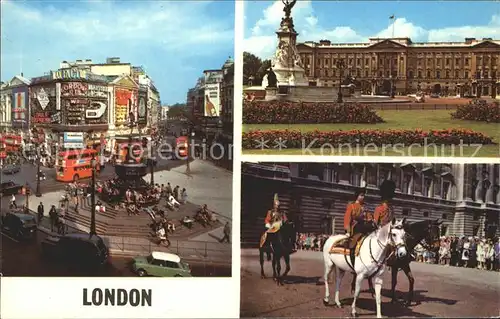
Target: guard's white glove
(348, 234)
(268, 225)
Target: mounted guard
(383, 213)
(357, 222)
(273, 221)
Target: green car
(160, 264)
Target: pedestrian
(176, 193)
(184, 196)
(53, 217)
(40, 212)
(13, 201)
(169, 189)
(227, 233)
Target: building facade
(5, 107)
(469, 68)
(226, 113)
(465, 196)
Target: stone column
(490, 192)
(362, 181)
(459, 174)
(479, 177)
(468, 182)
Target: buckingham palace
(314, 195)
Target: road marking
(9, 237)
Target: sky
(356, 21)
(173, 41)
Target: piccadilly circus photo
(234, 159)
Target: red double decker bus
(76, 164)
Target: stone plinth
(302, 93)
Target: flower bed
(297, 139)
(479, 110)
(280, 112)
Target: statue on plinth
(288, 7)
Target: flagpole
(393, 23)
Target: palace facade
(465, 197)
(469, 68)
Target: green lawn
(403, 119)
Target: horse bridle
(390, 244)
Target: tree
(265, 65)
(251, 67)
(177, 110)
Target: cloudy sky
(174, 41)
(349, 21)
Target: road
(24, 259)
(440, 291)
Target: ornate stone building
(469, 68)
(465, 196)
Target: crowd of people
(471, 252)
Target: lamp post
(152, 170)
(38, 193)
(340, 66)
(92, 198)
(190, 146)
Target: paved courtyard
(440, 291)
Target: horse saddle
(340, 246)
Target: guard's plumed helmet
(387, 189)
(276, 200)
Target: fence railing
(134, 245)
(412, 106)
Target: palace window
(457, 74)
(387, 73)
(406, 211)
(493, 74)
(427, 187)
(478, 74)
(358, 73)
(466, 61)
(358, 62)
(367, 61)
(447, 74)
(438, 62)
(438, 74)
(466, 74)
(407, 187)
(366, 73)
(444, 216)
(419, 62)
(410, 74)
(448, 61)
(475, 217)
(446, 189)
(419, 74)
(350, 61)
(485, 74)
(428, 74)
(327, 62)
(426, 214)
(475, 230)
(493, 61)
(380, 73)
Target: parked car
(9, 188)
(20, 226)
(76, 250)
(11, 169)
(161, 264)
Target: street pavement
(24, 259)
(440, 291)
(206, 184)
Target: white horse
(370, 262)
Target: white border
(59, 297)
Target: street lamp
(152, 170)
(93, 162)
(38, 193)
(340, 66)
